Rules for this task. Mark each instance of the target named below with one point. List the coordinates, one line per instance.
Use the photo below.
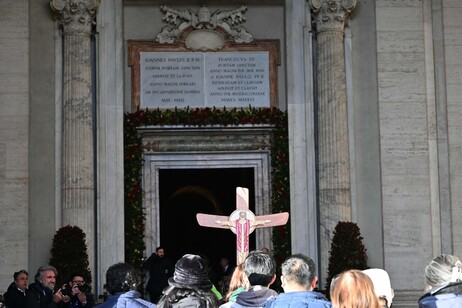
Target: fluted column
(76, 18)
(333, 144)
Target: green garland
(133, 157)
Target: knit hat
(190, 272)
(382, 284)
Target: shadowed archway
(186, 192)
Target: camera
(67, 290)
(84, 288)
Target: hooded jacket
(254, 297)
(299, 300)
(448, 296)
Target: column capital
(331, 14)
(75, 15)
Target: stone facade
(14, 138)
(403, 87)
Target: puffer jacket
(299, 300)
(447, 296)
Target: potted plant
(69, 254)
(347, 251)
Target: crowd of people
(188, 284)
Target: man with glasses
(15, 296)
(79, 292)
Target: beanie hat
(382, 284)
(190, 272)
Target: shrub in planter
(347, 251)
(69, 254)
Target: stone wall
(404, 141)
(419, 80)
(44, 132)
(452, 10)
(14, 138)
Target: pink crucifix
(242, 222)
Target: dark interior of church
(186, 192)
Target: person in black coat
(42, 293)
(224, 276)
(160, 270)
(15, 296)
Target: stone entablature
(208, 138)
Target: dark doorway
(186, 192)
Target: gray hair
(259, 268)
(298, 268)
(442, 270)
(44, 268)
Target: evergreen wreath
(133, 161)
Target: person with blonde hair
(237, 284)
(443, 278)
(353, 289)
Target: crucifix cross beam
(242, 222)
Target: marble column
(300, 108)
(332, 116)
(76, 18)
(110, 115)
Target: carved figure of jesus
(242, 222)
(242, 227)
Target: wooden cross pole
(242, 222)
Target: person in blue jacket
(443, 277)
(298, 281)
(122, 281)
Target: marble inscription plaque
(196, 79)
(237, 79)
(171, 79)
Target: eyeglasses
(78, 281)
